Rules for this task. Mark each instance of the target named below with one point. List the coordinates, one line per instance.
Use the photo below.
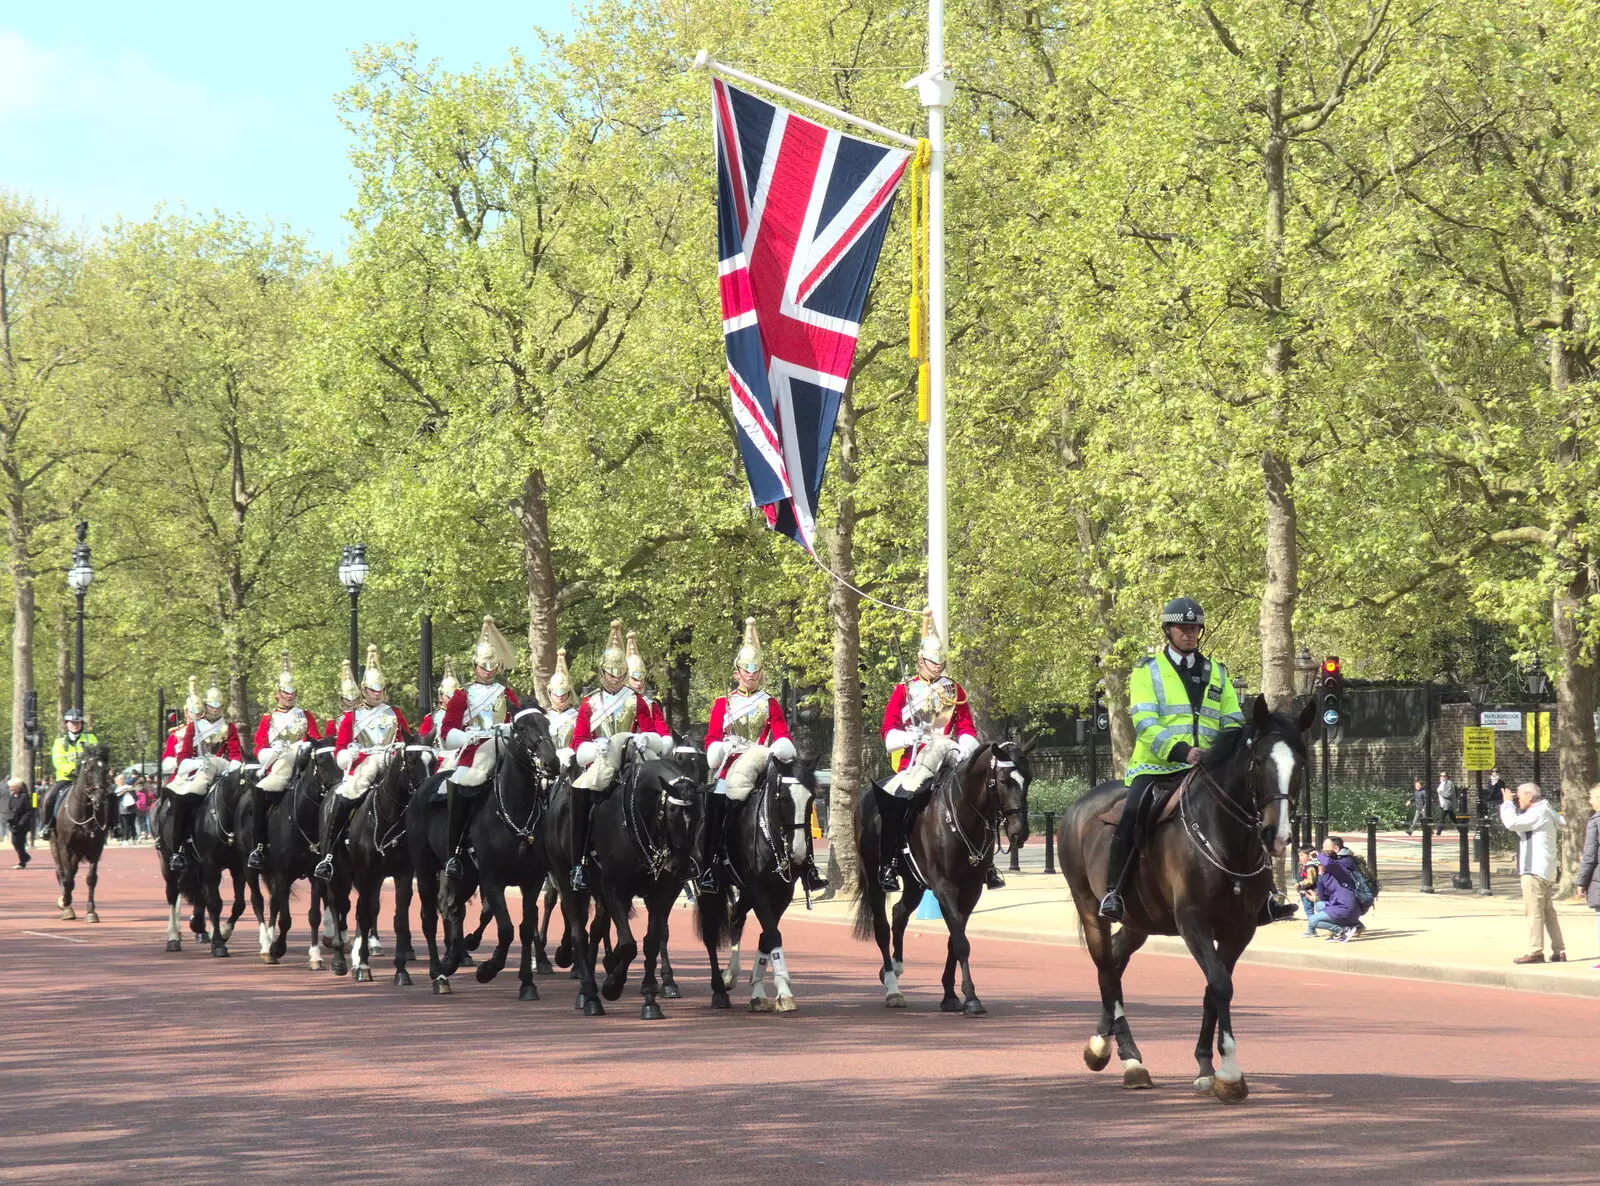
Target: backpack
(1363, 884)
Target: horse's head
(681, 806)
(94, 774)
(1276, 744)
(1012, 772)
(322, 772)
(794, 789)
(531, 743)
(416, 764)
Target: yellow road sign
(1477, 748)
(1543, 719)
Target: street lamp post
(1534, 677)
(425, 654)
(79, 577)
(1305, 672)
(352, 575)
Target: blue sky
(108, 109)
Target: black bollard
(1372, 844)
(1427, 856)
(1462, 880)
(1016, 859)
(1484, 889)
(1049, 842)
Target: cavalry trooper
(65, 755)
(428, 732)
(563, 714)
(207, 747)
(282, 735)
(926, 720)
(654, 719)
(746, 728)
(476, 722)
(364, 736)
(191, 712)
(608, 719)
(1180, 700)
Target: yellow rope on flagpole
(918, 342)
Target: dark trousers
(19, 841)
(128, 829)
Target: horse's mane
(1223, 748)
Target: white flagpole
(704, 61)
(936, 91)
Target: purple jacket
(1335, 898)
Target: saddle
(1163, 804)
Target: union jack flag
(801, 215)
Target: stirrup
(177, 863)
(992, 878)
(579, 879)
(1111, 906)
(48, 832)
(886, 877)
(709, 881)
(453, 869)
(813, 878)
(258, 858)
(324, 869)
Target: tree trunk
(21, 637)
(1574, 724)
(1282, 588)
(533, 515)
(680, 675)
(844, 607)
(238, 658)
(1116, 702)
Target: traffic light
(172, 718)
(1330, 691)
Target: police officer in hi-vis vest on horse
(280, 737)
(64, 757)
(476, 722)
(1179, 700)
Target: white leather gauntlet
(899, 739)
(715, 752)
(587, 752)
(783, 749)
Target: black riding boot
(47, 815)
(582, 805)
(258, 804)
(710, 856)
(891, 839)
(182, 816)
(338, 820)
(453, 830)
(992, 878)
(1117, 866)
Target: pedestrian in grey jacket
(1538, 827)
(1588, 883)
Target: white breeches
(601, 771)
(195, 775)
(275, 771)
(744, 772)
(922, 768)
(482, 766)
(358, 784)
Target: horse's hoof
(573, 975)
(472, 942)
(719, 1000)
(670, 992)
(174, 944)
(441, 987)
(895, 1000)
(762, 1005)
(563, 958)
(340, 967)
(1134, 1075)
(593, 1008)
(315, 964)
(375, 950)
(268, 958)
(950, 1005)
(1097, 1053)
(651, 1012)
(1202, 1084)
(219, 951)
(974, 1008)
(577, 1005)
(1230, 1092)
(401, 978)
(364, 975)
(786, 1005)
(899, 967)
(543, 968)
(486, 972)
(467, 961)
(528, 992)
(68, 914)
(91, 917)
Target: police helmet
(71, 715)
(1182, 611)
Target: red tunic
(897, 715)
(347, 732)
(425, 731)
(230, 749)
(264, 731)
(775, 728)
(583, 731)
(455, 717)
(658, 718)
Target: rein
(397, 829)
(1251, 820)
(656, 853)
(978, 853)
(525, 830)
(93, 818)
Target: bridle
(1251, 818)
(527, 760)
(95, 796)
(767, 827)
(654, 850)
(953, 795)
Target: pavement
(125, 1063)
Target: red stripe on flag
(737, 298)
(730, 151)
(844, 242)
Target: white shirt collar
(1179, 660)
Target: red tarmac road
(124, 1063)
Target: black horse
(213, 835)
(554, 838)
(952, 838)
(375, 849)
(82, 820)
(644, 839)
(180, 886)
(292, 836)
(1205, 873)
(768, 841)
(427, 835)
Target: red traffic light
(1331, 666)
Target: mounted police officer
(476, 722)
(1180, 700)
(65, 755)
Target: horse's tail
(864, 924)
(711, 912)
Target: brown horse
(83, 818)
(1204, 873)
